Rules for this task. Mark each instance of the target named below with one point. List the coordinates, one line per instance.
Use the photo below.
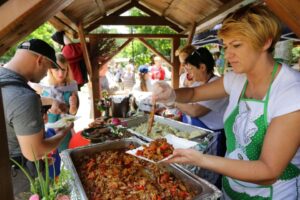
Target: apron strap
(268, 94)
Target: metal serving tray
(207, 142)
(202, 188)
(170, 122)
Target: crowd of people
(256, 106)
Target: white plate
(133, 152)
(69, 118)
(178, 143)
(56, 125)
(63, 122)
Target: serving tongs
(151, 118)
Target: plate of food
(161, 149)
(64, 121)
(156, 151)
(105, 132)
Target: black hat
(59, 37)
(38, 46)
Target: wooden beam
(94, 79)
(132, 20)
(94, 24)
(60, 25)
(175, 63)
(176, 26)
(217, 17)
(172, 25)
(192, 33)
(117, 51)
(6, 189)
(84, 49)
(92, 73)
(155, 51)
(170, 7)
(123, 8)
(115, 19)
(67, 20)
(21, 20)
(101, 7)
(288, 12)
(137, 35)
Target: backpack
(16, 83)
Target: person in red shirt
(73, 53)
(157, 71)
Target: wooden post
(6, 190)
(93, 82)
(175, 63)
(192, 33)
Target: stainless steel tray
(203, 189)
(170, 122)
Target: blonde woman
(65, 89)
(145, 83)
(261, 121)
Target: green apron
(245, 130)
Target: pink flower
(34, 197)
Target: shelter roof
(180, 15)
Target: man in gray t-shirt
(22, 106)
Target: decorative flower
(34, 197)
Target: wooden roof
(180, 15)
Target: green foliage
(42, 185)
(295, 54)
(44, 32)
(137, 51)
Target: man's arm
(35, 146)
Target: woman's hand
(186, 156)
(58, 107)
(73, 102)
(163, 93)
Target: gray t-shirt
(22, 110)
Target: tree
(44, 32)
(137, 50)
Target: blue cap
(143, 69)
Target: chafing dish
(202, 188)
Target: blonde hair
(255, 23)
(69, 77)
